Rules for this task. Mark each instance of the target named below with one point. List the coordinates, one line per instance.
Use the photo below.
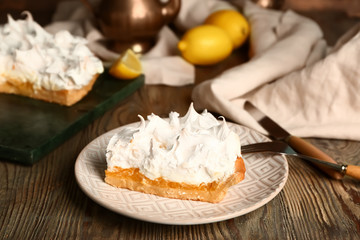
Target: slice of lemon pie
(195, 157)
(57, 68)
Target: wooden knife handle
(302, 146)
(353, 171)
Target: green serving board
(30, 129)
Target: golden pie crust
(62, 97)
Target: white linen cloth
(292, 76)
(290, 79)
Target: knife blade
(298, 144)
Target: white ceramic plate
(264, 178)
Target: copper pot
(133, 24)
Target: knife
(298, 144)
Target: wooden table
(44, 201)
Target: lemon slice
(127, 66)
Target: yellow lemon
(127, 66)
(233, 22)
(205, 45)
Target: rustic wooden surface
(44, 201)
